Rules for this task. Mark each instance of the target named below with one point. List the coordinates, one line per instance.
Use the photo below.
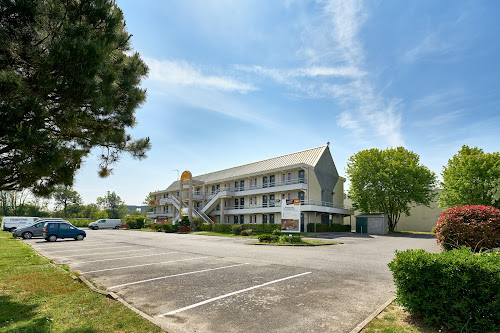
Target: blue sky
(232, 82)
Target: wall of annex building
(421, 218)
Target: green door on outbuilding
(361, 225)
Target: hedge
(206, 227)
(477, 227)
(268, 238)
(135, 222)
(169, 227)
(222, 227)
(458, 289)
(320, 227)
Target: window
(255, 218)
(271, 218)
(255, 200)
(236, 185)
(264, 201)
(264, 218)
(264, 181)
(251, 219)
(283, 196)
(289, 196)
(271, 180)
(289, 176)
(63, 226)
(218, 186)
(242, 202)
(301, 196)
(251, 183)
(251, 201)
(271, 200)
(213, 188)
(301, 176)
(242, 219)
(242, 185)
(235, 219)
(283, 178)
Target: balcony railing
(277, 203)
(257, 187)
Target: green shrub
(147, 224)
(222, 227)
(196, 223)
(246, 232)
(458, 289)
(477, 227)
(320, 227)
(268, 238)
(206, 227)
(237, 229)
(135, 222)
(158, 227)
(277, 232)
(132, 224)
(264, 227)
(169, 227)
(184, 222)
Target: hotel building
(252, 193)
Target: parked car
(34, 230)
(9, 223)
(106, 223)
(62, 229)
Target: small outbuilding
(372, 224)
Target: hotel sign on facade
(290, 215)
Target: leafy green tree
(65, 196)
(495, 194)
(68, 83)
(113, 204)
(389, 181)
(471, 178)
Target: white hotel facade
(252, 193)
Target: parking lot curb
(375, 313)
(115, 297)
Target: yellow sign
(186, 175)
(151, 203)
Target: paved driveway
(195, 283)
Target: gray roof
(307, 157)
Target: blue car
(63, 229)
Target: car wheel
(52, 238)
(117, 227)
(96, 228)
(27, 235)
(80, 237)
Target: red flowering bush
(477, 227)
(184, 229)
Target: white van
(106, 223)
(10, 223)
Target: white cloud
(181, 73)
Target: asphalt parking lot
(195, 283)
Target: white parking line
(109, 252)
(227, 295)
(169, 276)
(156, 263)
(147, 255)
(91, 248)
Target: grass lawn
(35, 296)
(395, 320)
